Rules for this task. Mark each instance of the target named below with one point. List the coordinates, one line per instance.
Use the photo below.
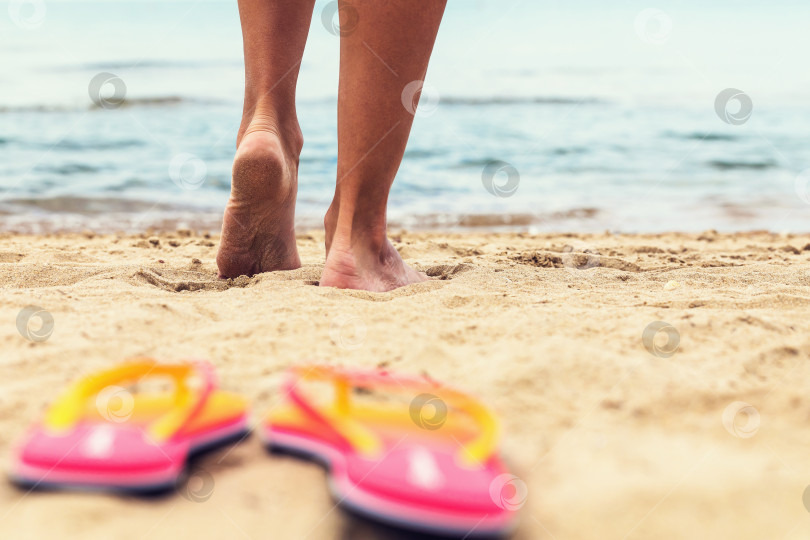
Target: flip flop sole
(359, 501)
(28, 476)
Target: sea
(580, 115)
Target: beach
(649, 383)
(697, 433)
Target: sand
(611, 440)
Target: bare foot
(364, 265)
(258, 230)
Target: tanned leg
(258, 231)
(388, 49)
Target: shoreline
(396, 229)
(210, 222)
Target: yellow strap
(483, 447)
(68, 409)
(475, 452)
(338, 419)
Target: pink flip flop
(100, 436)
(431, 465)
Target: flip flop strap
(478, 450)
(188, 405)
(67, 410)
(349, 433)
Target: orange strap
(67, 410)
(357, 436)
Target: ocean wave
(423, 153)
(150, 101)
(493, 220)
(154, 101)
(96, 144)
(473, 162)
(154, 64)
(519, 100)
(178, 100)
(67, 169)
(88, 206)
(701, 136)
(74, 144)
(725, 165)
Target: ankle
(284, 128)
(357, 234)
(330, 220)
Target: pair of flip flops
(430, 464)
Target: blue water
(603, 124)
